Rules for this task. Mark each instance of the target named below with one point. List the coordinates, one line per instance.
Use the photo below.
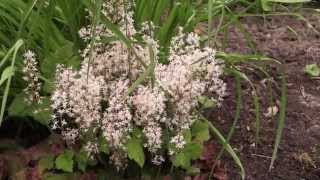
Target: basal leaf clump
(123, 95)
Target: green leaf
(149, 72)
(226, 145)
(206, 102)
(63, 55)
(40, 112)
(187, 136)
(266, 4)
(282, 119)
(5, 94)
(191, 151)
(8, 72)
(135, 151)
(82, 160)
(19, 107)
(312, 70)
(137, 133)
(182, 160)
(64, 161)
(48, 87)
(103, 145)
(46, 163)
(200, 131)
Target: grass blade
(227, 146)
(282, 117)
(257, 112)
(16, 47)
(235, 121)
(148, 72)
(25, 18)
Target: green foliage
(65, 161)
(46, 163)
(281, 121)
(166, 16)
(194, 138)
(82, 160)
(226, 146)
(206, 102)
(200, 131)
(40, 112)
(6, 74)
(103, 145)
(135, 148)
(312, 70)
(63, 55)
(267, 4)
(191, 151)
(46, 27)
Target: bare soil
(294, 44)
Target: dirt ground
(295, 44)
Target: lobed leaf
(135, 151)
(64, 161)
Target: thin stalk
(17, 46)
(235, 121)
(210, 18)
(96, 19)
(219, 25)
(281, 121)
(23, 22)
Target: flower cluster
(117, 118)
(104, 99)
(150, 112)
(31, 76)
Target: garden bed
(299, 152)
(25, 144)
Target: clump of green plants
(124, 103)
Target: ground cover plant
(125, 89)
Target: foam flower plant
(137, 107)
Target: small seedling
(312, 70)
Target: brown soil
(295, 45)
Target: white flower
(119, 159)
(178, 141)
(153, 134)
(117, 120)
(91, 148)
(96, 97)
(150, 105)
(31, 76)
(158, 160)
(70, 135)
